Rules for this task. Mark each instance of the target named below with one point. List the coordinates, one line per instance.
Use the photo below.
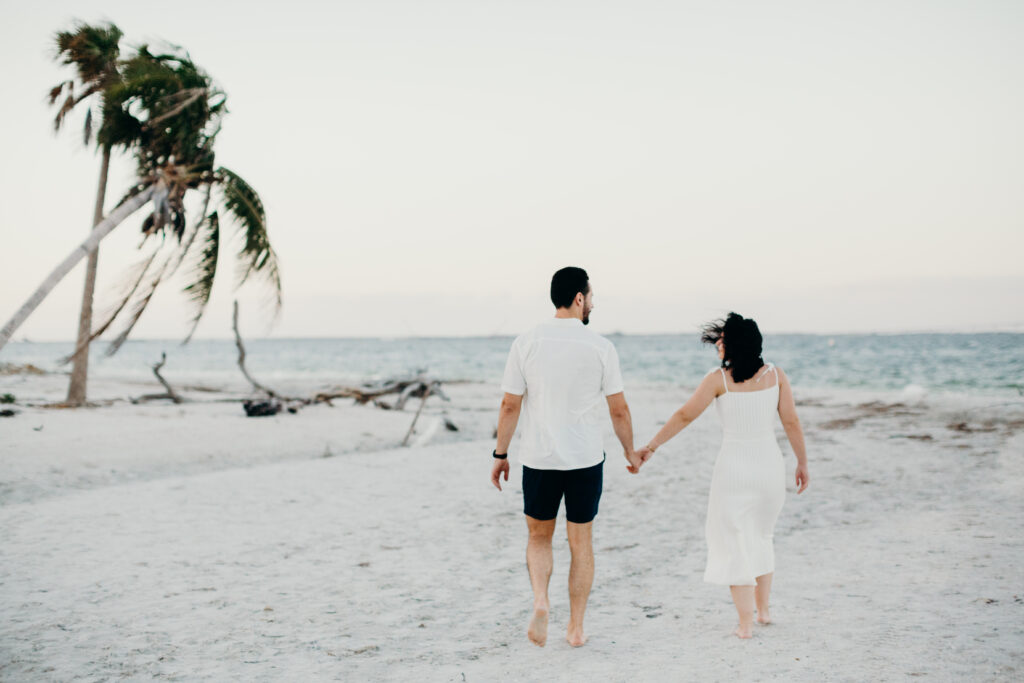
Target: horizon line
(615, 333)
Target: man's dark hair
(566, 284)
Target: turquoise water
(956, 363)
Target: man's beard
(586, 316)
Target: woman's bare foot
(764, 617)
(575, 637)
(538, 630)
(744, 631)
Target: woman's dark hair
(566, 284)
(742, 341)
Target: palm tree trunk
(80, 361)
(116, 217)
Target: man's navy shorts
(543, 491)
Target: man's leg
(582, 498)
(539, 561)
(581, 578)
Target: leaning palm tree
(94, 52)
(179, 111)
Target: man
(558, 376)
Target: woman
(748, 484)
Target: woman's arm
(795, 433)
(710, 387)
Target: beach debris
(840, 423)
(422, 439)
(7, 398)
(417, 386)
(414, 386)
(241, 357)
(261, 408)
(20, 369)
(169, 392)
(7, 412)
(426, 395)
(917, 437)
(967, 429)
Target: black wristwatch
(500, 457)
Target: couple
(556, 376)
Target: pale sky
(819, 166)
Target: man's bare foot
(764, 617)
(538, 630)
(744, 631)
(576, 638)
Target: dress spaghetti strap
(725, 380)
(769, 367)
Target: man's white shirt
(564, 372)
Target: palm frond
(178, 102)
(55, 91)
(68, 105)
(138, 308)
(204, 271)
(129, 285)
(91, 49)
(256, 256)
(94, 52)
(183, 252)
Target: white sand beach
(189, 542)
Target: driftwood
(406, 388)
(170, 393)
(418, 386)
(426, 395)
(241, 358)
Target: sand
(191, 543)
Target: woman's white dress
(747, 488)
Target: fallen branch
(169, 393)
(406, 388)
(156, 371)
(426, 395)
(241, 358)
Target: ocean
(990, 364)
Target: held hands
(633, 458)
(637, 458)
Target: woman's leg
(743, 597)
(762, 594)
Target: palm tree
(94, 52)
(178, 111)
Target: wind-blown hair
(566, 284)
(742, 341)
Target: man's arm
(508, 418)
(622, 422)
